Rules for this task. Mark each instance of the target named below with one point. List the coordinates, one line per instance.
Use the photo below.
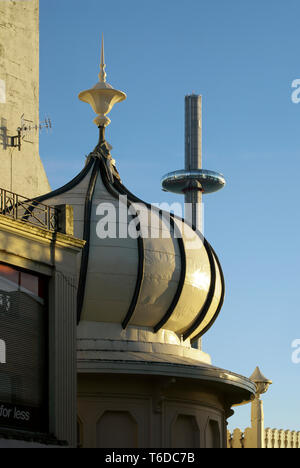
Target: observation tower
(193, 181)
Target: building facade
(21, 167)
(38, 283)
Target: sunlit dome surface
(162, 283)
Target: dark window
(24, 331)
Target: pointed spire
(262, 383)
(102, 74)
(258, 377)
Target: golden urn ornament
(102, 97)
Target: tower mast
(193, 181)
(193, 155)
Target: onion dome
(153, 272)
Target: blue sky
(242, 56)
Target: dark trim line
(176, 298)
(205, 330)
(201, 316)
(86, 237)
(104, 176)
(65, 188)
(226, 380)
(114, 190)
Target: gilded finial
(102, 97)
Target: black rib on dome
(202, 314)
(86, 236)
(221, 302)
(176, 298)
(141, 251)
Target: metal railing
(30, 211)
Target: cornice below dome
(96, 338)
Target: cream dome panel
(162, 266)
(197, 280)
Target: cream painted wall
(21, 171)
(126, 411)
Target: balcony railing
(30, 211)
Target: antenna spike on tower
(102, 51)
(102, 74)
